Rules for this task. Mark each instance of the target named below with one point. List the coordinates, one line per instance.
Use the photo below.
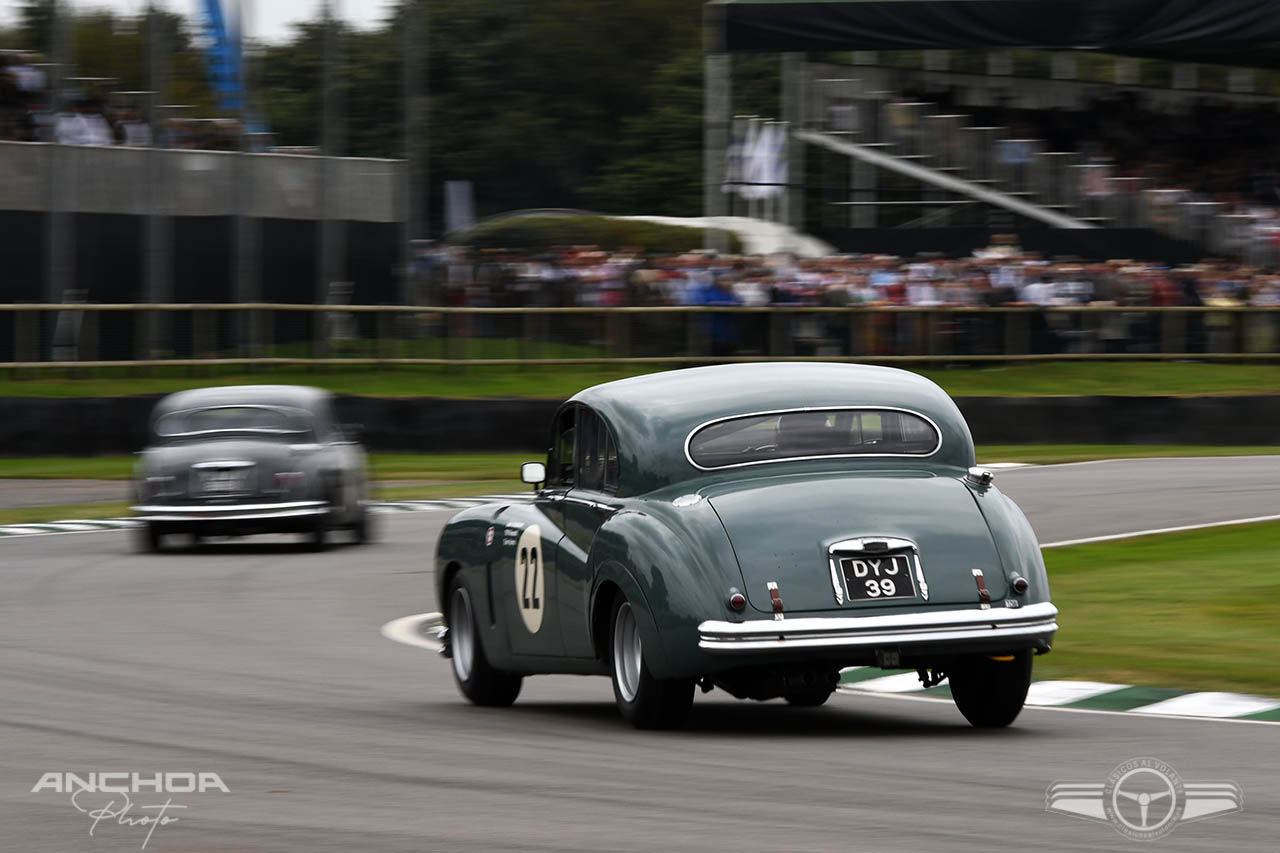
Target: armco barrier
(92, 426)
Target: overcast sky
(268, 20)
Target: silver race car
(240, 460)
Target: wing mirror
(533, 473)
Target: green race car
(756, 528)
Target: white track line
(1049, 693)
(414, 630)
(1143, 459)
(1158, 530)
(1210, 705)
(903, 682)
(906, 697)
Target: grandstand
(1126, 129)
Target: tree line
(557, 103)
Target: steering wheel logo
(1144, 799)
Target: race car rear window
(232, 419)
(805, 434)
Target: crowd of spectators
(86, 114)
(1000, 276)
(590, 277)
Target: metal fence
(40, 337)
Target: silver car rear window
(809, 433)
(214, 419)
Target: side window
(610, 464)
(590, 451)
(597, 460)
(560, 460)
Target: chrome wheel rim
(626, 653)
(462, 634)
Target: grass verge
(120, 509)
(1197, 610)
(452, 467)
(1054, 454)
(37, 514)
(1040, 379)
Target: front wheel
(644, 701)
(476, 677)
(362, 532)
(991, 689)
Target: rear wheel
(990, 689)
(317, 538)
(644, 701)
(476, 677)
(149, 537)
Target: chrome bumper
(230, 512)
(933, 628)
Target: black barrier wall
(109, 256)
(96, 426)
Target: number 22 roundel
(530, 596)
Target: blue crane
(223, 58)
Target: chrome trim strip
(229, 464)
(936, 431)
(941, 626)
(230, 512)
(590, 504)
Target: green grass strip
(1039, 379)
(1194, 610)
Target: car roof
(652, 415)
(295, 396)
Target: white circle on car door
(530, 594)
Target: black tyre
(149, 537)
(317, 538)
(990, 689)
(644, 701)
(475, 676)
(808, 697)
(364, 530)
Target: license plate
(222, 482)
(874, 578)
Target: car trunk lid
(782, 531)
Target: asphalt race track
(264, 663)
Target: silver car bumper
(938, 628)
(230, 512)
